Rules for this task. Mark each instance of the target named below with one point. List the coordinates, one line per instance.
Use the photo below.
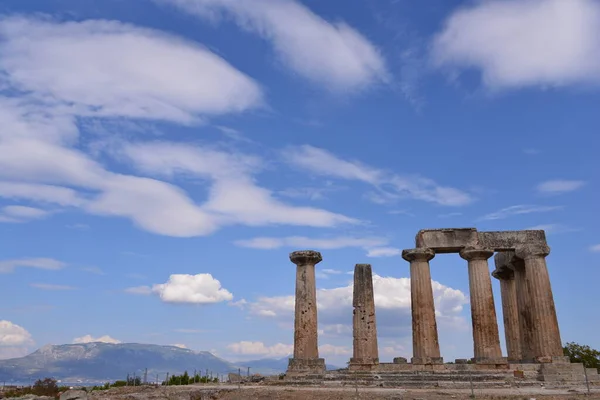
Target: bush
(582, 354)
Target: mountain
(106, 361)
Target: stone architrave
(486, 339)
(364, 324)
(546, 342)
(426, 348)
(510, 310)
(306, 351)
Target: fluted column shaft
(364, 322)
(545, 333)
(426, 348)
(486, 339)
(510, 313)
(306, 350)
(524, 307)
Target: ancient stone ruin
(531, 327)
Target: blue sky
(160, 159)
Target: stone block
(490, 361)
(461, 361)
(427, 360)
(400, 360)
(447, 240)
(509, 240)
(74, 395)
(314, 365)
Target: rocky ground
(193, 392)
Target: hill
(105, 361)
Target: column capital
(532, 251)
(418, 254)
(303, 257)
(476, 253)
(503, 273)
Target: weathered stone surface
(510, 309)
(524, 307)
(400, 360)
(447, 240)
(74, 395)
(364, 321)
(461, 361)
(509, 240)
(546, 342)
(304, 366)
(306, 351)
(486, 340)
(426, 348)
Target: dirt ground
(301, 393)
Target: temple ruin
(530, 323)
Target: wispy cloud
(389, 187)
(507, 42)
(450, 215)
(384, 252)
(553, 228)
(333, 55)
(92, 270)
(50, 264)
(559, 186)
(18, 213)
(519, 210)
(595, 248)
(49, 286)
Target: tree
(582, 354)
(46, 387)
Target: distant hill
(105, 361)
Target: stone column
(306, 351)
(546, 343)
(426, 348)
(486, 339)
(524, 307)
(364, 325)
(510, 310)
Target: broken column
(366, 354)
(426, 348)
(510, 310)
(306, 351)
(546, 343)
(486, 339)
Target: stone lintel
(304, 257)
(490, 361)
(427, 360)
(510, 240)
(450, 240)
(299, 365)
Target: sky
(160, 159)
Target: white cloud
(91, 339)
(15, 341)
(112, 72)
(53, 287)
(92, 270)
(331, 350)
(21, 213)
(595, 248)
(305, 242)
(331, 54)
(517, 43)
(553, 228)
(247, 348)
(181, 346)
(519, 210)
(7, 266)
(13, 335)
(392, 300)
(111, 68)
(384, 252)
(559, 186)
(183, 288)
(389, 187)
